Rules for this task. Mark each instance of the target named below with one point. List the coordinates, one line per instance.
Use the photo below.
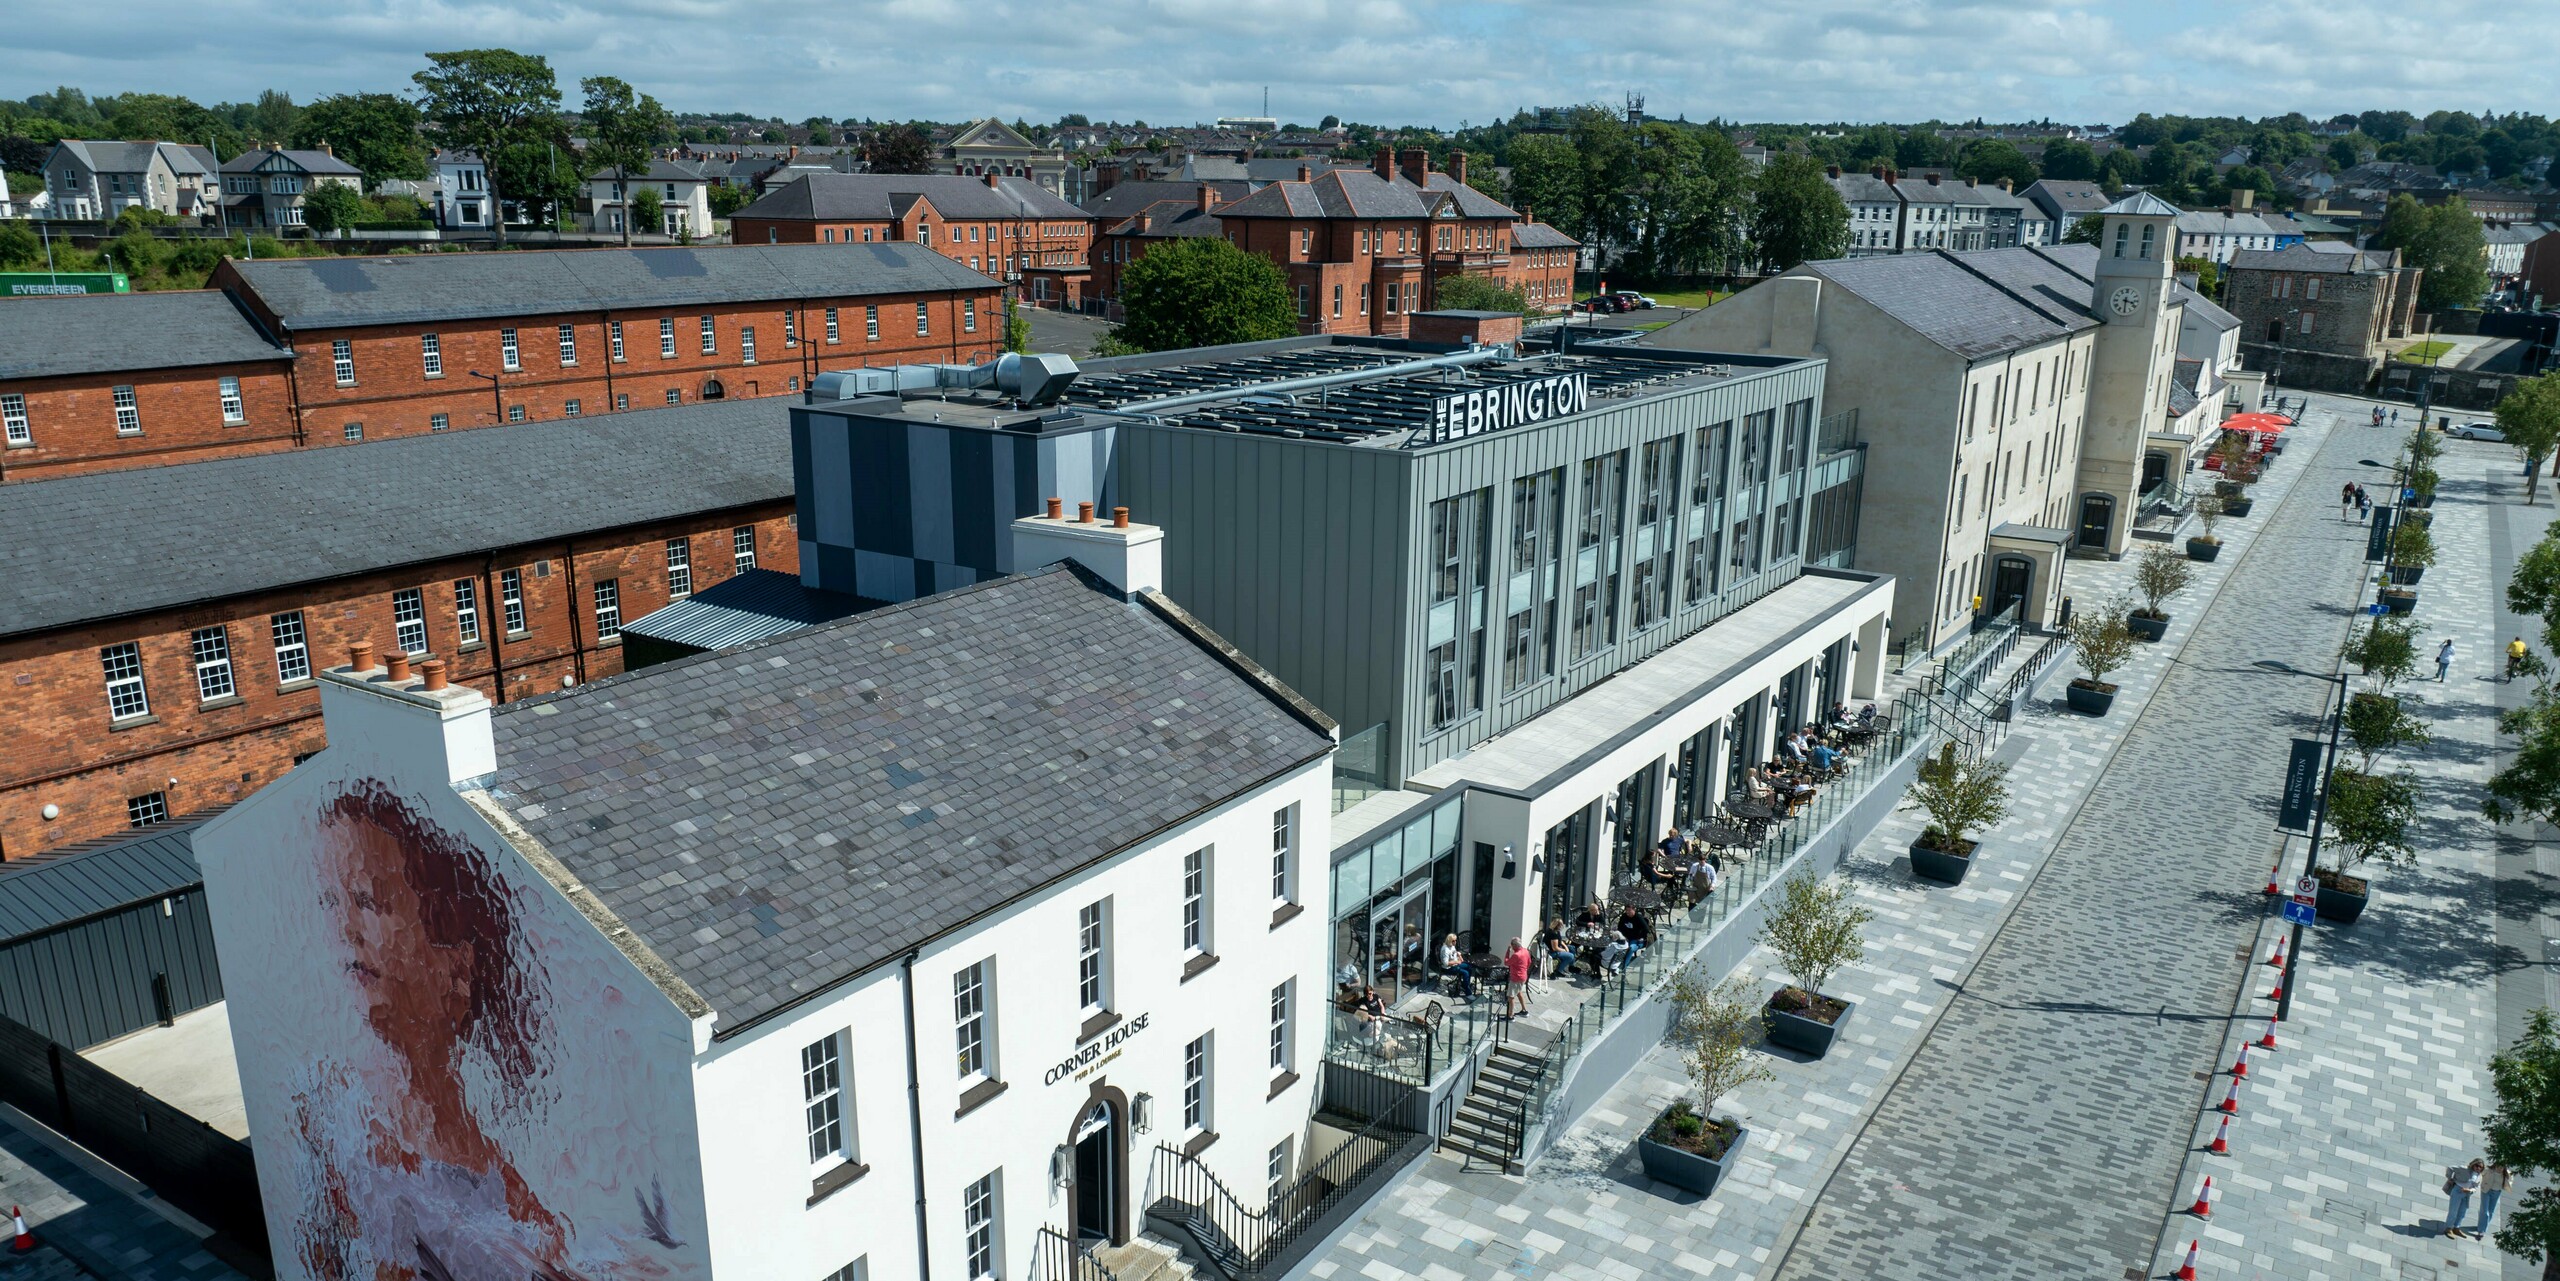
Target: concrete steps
(1147, 1257)
(1485, 1124)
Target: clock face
(2125, 301)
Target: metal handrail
(1057, 1257)
(1242, 1240)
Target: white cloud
(1434, 61)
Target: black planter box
(2150, 629)
(2399, 602)
(2235, 507)
(2407, 575)
(2087, 701)
(2199, 549)
(1680, 1168)
(1932, 864)
(2340, 905)
(1801, 1034)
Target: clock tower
(2129, 369)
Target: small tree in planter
(1960, 797)
(2205, 546)
(2524, 1136)
(2423, 479)
(2159, 575)
(2385, 651)
(1814, 929)
(2369, 816)
(2103, 645)
(1690, 1146)
(2379, 723)
(2413, 551)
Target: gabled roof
(2207, 310)
(1538, 235)
(312, 162)
(1168, 219)
(2142, 204)
(138, 536)
(2069, 196)
(309, 293)
(992, 132)
(47, 891)
(775, 819)
(189, 158)
(1361, 193)
(1865, 188)
(101, 155)
(108, 333)
(857, 197)
(1974, 304)
(2304, 257)
(1125, 198)
(660, 169)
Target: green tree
(332, 207)
(1478, 293)
(1203, 292)
(1017, 327)
(1960, 796)
(538, 174)
(2208, 274)
(2085, 230)
(2524, 1136)
(375, 132)
(495, 102)
(2370, 816)
(903, 148)
(2529, 417)
(273, 118)
(1796, 215)
(727, 200)
(2070, 159)
(18, 246)
(1988, 160)
(623, 131)
(1546, 181)
(2443, 240)
(2119, 168)
(648, 211)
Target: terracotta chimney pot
(433, 671)
(1084, 513)
(1119, 518)
(1057, 508)
(396, 664)
(360, 656)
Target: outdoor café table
(1753, 809)
(1719, 834)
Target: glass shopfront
(1568, 855)
(1634, 813)
(1693, 777)
(1394, 899)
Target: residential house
(266, 189)
(462, 200)
(90, 179)
(684, 196)
(2216, 234)
(2503, 245)
(1875, 210)
(2066, 202)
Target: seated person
(1636, 930)
(1589, 918)
(1791, 747)
(1454, 964)
(1671, 844)
(1755, 786)
(1613, 955)
(1825, 759)
(1556, 946)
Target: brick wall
(68, 752)
(2350, 315)
(71, 421)
(1057, 251)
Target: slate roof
(108, 333)
(2142, 204)
(661, 169)
(126, 542)
(1864, 188)
(309, 161)
(1538, 235)
(1361, 193)
(744, 607)
(2208, 311)
(109, 155)
(310, 293)
(2069, 198)
(1974, 304)
(1173, 219)
(856, 197)
(775, 819)
(1126, 198)
(41, 892)
(2345, 260)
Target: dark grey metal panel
(92, 981)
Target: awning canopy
(2257, 424)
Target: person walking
(2459, 1183)
(2347, 500)
(2364, 505)
(2494, 1182)
(2444, 659)
(1515, 976)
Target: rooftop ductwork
(1030, 380)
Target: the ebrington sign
(1533, 400)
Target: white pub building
(893, 947)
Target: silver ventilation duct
(1030, 380)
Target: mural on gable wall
(439, 1140)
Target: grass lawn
(1692, 298)
(2425, 353)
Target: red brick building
(413, 344)
(128, 380)
(159, 626)
(1363, 249)
(1011, 228)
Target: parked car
(1636, 301)
(2478, 431)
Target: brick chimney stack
(1933, 178)
(1833, 171)
(1209, 194)
(2009, 185)
(1384, 163)
(1876, 171)
(1306, 173)
(991, 177)
(1415, 164)
(1458, 167)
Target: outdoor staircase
(1147, 1257)
(1489, 1121)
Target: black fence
(193, 1166)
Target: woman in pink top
(1515, 973)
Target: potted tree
(2379, 723)
(2231, 458)
(2413, 552)
(2205, 546)
(2369, 816)
(1960, 797)
(2159, 575)
(2385, 652)
(1688, 1145)
(2102, 644)
(1814, 931)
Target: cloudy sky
(1430, 61)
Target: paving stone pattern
(80, 1219)
(1587, 1209)
(2381, 1075)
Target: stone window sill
(1197, 965)
(292, 686)
(1096, 1026)
(1280, 1085)
(211, 704)
(977, 1096)
(1285, 913)
(1200, 1143)
(132, 722)
(835, 1180)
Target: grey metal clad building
(1449, 585)
(102, 938)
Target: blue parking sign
(2300, 913)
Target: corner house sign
(1094, 1053)
(1519, 404)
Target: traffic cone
(2221, 1145)
(2277, 960)
(2240, 1066)
(2231, 1099)
(2277, 993)
(2268, 1042)
(2187, 1271)
(2203, 1208)
(2272, 874)
(24, 1241)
